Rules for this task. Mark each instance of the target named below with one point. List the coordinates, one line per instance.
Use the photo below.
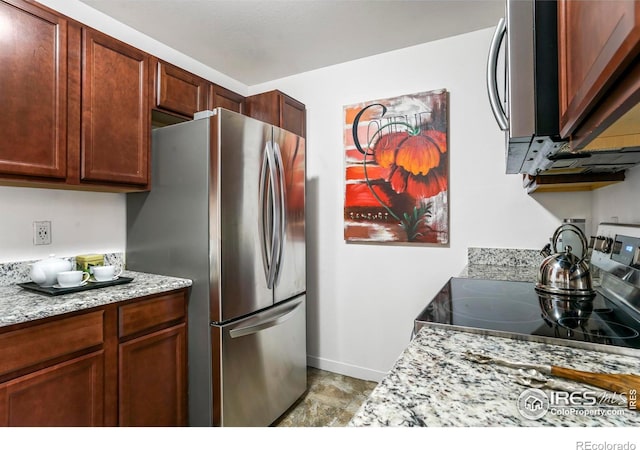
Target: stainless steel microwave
(525, 101)
(523, 93)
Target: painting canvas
(397, 169)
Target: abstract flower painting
(397, 169)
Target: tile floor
(331, 400)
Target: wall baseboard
(345, 369)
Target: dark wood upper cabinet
(224, 98)
(76, 105)
(115, 113)
(33, 91)
(178, 91)
(599, 42)
(278, 109)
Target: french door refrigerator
(227, 209)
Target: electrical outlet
(42, 232)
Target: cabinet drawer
(136, 317)
(33, 345)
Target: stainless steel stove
(609, 321)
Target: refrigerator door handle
(267, 226)
(275, 199)
(281, 213)
(269, 322)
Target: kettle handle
(576, 230)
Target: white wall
(618, 202)
(363, 298)
(81, 222)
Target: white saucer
(57, 286)
(93, 280)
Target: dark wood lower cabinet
(68, 394)
(152, 361)
(153, 379)
(121, 364)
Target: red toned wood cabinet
(123, 364)
(114, 111)
(77, 105)
(152, 362)
(599, 71)
(33, 92)
(224, 98)
(177, 91)
(278, 109)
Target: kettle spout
(546, 250)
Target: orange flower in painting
(414, 161)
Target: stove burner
(490, 309)
(598, 328)
(508, 289)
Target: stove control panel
(616, 253)
(625, 250)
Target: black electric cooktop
(516, 309)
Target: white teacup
(71, 278)
(104, 273)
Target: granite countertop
(504, 273)
(433, 384)
(502, 264)
(18, 305)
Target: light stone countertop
(506, 264)
(432, 384)
(18, 305)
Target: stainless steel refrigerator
(227, 210)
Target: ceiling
(257, 41)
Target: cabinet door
(265, 107)
(597, 42)
(33, 96)
(224, 98)
(115, 111)
(293, 115)
(68, 394)
(280, 110)
(152, 379)
(179, 91)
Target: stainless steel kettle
(563, 273)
